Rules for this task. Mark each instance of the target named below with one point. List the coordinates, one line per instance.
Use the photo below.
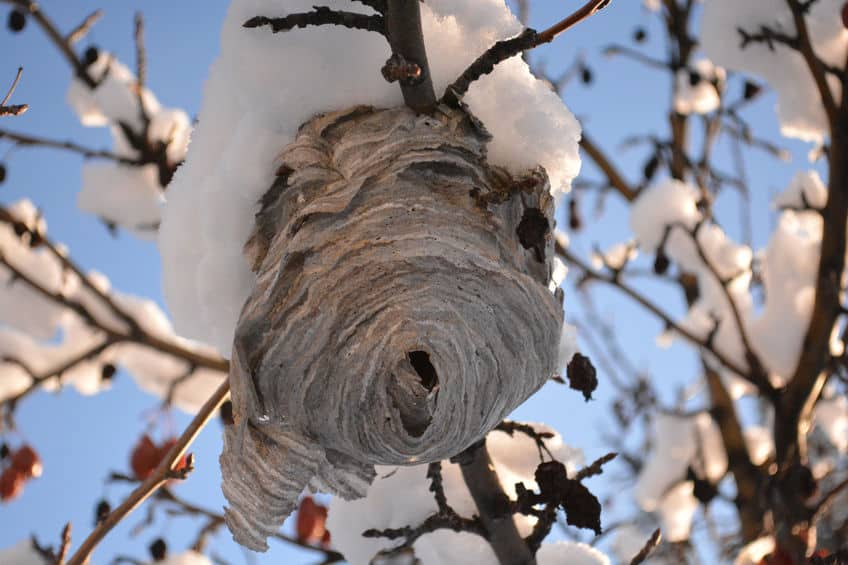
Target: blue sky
(82, 439)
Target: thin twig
(15, 109)
(65, 545)
(320, 16)
(25, 140)
(79, 32)
(505, 49)
(13, 87)
(648, 548)
(591, 274)
(162, 473)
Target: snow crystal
(678, 443)
(676, 511)
(754, 552)
(570, 552)
(760, 443)
(616, 257)
(627, 541)
(696, 91)
(122, 194)
(22, 553)
(252, 108)
(125, 194)
(186, 558)
(799, 105)
(21, 306)
(831, 416)
(515, 459)
(805, 189)
(666, 212)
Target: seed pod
(399, 312)
(158, 549)
(17, 21)
(11, 484)
(26, 460)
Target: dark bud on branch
(694, 78)
(752, 90)
(575, 222)
(16, 21)
(158, 549)
(2, 173)
(90, 56)
(661, 262)
(586, 75)
(650, 168)
(4, 451)
(703, 490)
(107, 373)
(640, 35)
(101, 511)
(582, 375)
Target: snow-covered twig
(526, 40)
(591, 274)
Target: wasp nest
(401, 308)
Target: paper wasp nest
(401, 308)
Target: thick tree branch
(746, 475)
(403, 28)
(817, 70)
(494, 506)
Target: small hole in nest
(420, 361)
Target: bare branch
(505, 49)
(79, 32)
(17, 109)
(591, 274)
(156, 479)
(25, 140)
(649, 547)
(320, 16)
(403, 29)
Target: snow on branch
(46, 290)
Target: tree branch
(403, 29)
(157, 478)
(24, 140)
(591, 274)
(320, 16)
(507, 48)
(482, 481)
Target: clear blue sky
(82, 439)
